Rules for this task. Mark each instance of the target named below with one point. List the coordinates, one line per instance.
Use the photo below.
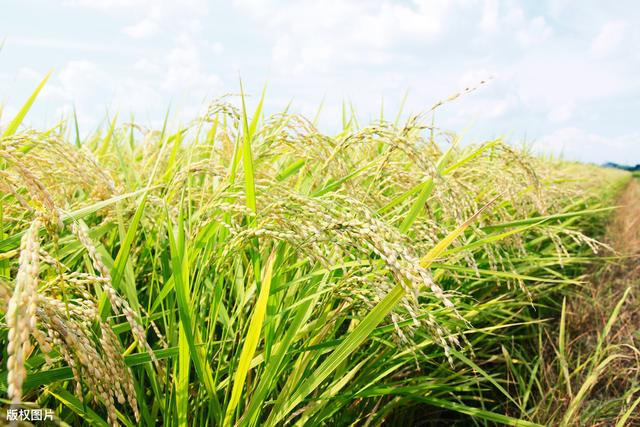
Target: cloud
(185, 70)
(133, 95)
(609, 38)
(511, 24)
(484, 108)
(29, 74)
(558, 76)
(91, 90)
(578, 144)
(562, 112)
(180, 17)
(215, 47)
(490, 14)
(63, 44)
(146, 66)
(7, 113)
(536, 31)
(77, 87)
(103, 4)
(145, 28)
(82, 78)
(310, 35)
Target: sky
(564, 75)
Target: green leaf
(182, 379)
(180, 263)
(486, 375)
(106, 142)
(247, 157)
(76, 127)
(72, 402)
(123, 255)
(351, 342)
(251, 340)
(14, 240)
(38, 379)
(545, 218)
(12, 127)
(427, 187)
(477, 412)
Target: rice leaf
(13, 125)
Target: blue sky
(565, 74)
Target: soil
(589, 311)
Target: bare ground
(617, 386)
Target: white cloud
(511, 22)
(81, 79)
(92, 91)
(578, 144)
(146, 66)
(7, 113)
(149, 84)
(490, 15)
(609, 38)
(135, 96)
(311, 35)
(102, 4)
(61, 44)
(29, 74)
(562, 112)
(180, 17)
(185, 70)
(77, 86)
(216, 47)
(145, 28)
(534, 32)
(557, 77)
(482, 108)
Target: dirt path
(617, 386)
(623, 233)
(610, 283)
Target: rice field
(247, 270)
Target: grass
(250, 270)
(597, 344)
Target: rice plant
(250, 270)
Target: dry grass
(595, 335)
